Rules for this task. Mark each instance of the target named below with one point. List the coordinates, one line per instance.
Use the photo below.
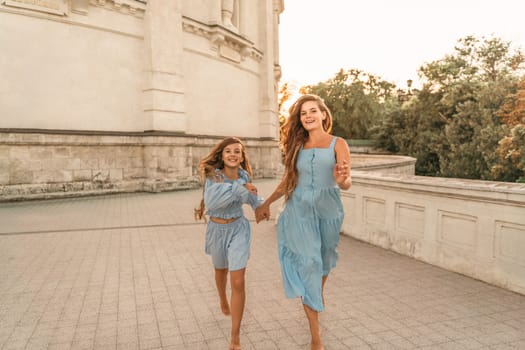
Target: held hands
(342, 175)
(262, 212)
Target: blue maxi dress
(309, 226)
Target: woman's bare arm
(343, 165)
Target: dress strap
(332, 143)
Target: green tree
(452, 125)
(283, 96)
(510, 165)
(473, 128)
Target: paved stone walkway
(128, 271)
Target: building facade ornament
(131, 7)
(220, 37)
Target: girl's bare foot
(225, 307)
(316, 343)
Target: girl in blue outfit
(226, 174)
(317, 166)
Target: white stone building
(125, 95)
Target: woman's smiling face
(311, 116)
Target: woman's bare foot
(318, 346)
(235, 343)
(225, 307)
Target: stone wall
(79, 70)
(47, 165)
(36, 165)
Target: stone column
(269, 68)
(163, 92)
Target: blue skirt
(229, 244)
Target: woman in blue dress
(317, 166)
(226, 174)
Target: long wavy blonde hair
(293, 137)
(214, 161)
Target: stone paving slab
(128, 271)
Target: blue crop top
(224, 198)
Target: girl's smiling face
(232, 155)
(311, 116)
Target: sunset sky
(388, 38)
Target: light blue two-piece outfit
(309, 226)
(228, 244)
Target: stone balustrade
(476, 228)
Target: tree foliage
(283, 96)
(510, 164)
(466, 121)
(453, 125)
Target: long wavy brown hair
(293, 137)
(213, 161)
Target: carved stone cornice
(228, 44)
(131, 7)
(54, 7)
(65, 7)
